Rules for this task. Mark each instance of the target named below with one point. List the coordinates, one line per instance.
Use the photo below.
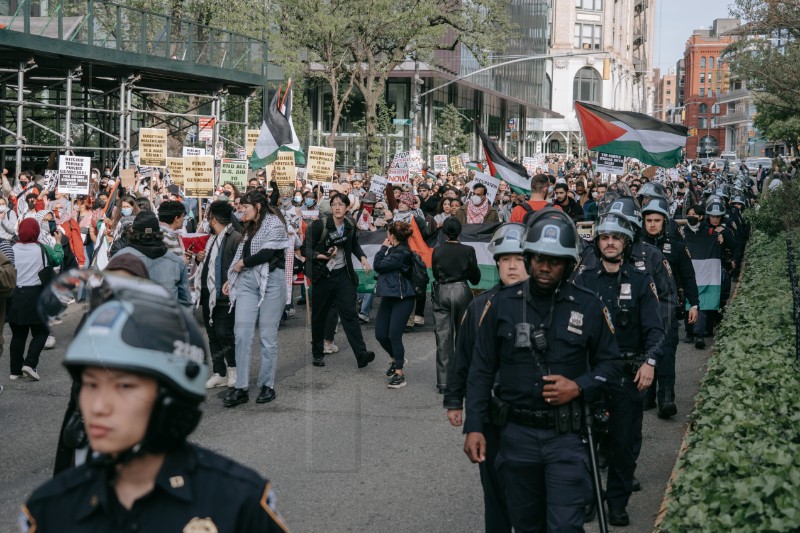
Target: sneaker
(329, 347)
(364, 319)
(71, 301)
(397, 381)
(14, 377)
(30, 372)
(231, 375)
(291, 312)
(50, 342)
(419, 321)
(216, 381)
(390, 372)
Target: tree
(388, 32)
(776, 121)
(450, 134)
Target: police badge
(575, 323)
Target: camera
(522, 336)
(624, 318)
(540, 340)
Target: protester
(171, 215)
(567, 203)
(539, 184)
(478, 209)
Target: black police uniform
(731, 250)
(680, 260)
(195, 490)
(495, 514)
(631, 297)
(542, 462)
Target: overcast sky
(675, 20)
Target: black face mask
(31, 203)
(23, 184)
(100, 204)
(692, 220)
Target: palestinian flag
(277, 132)
(504, 169)
(706, 260)
(631, 134)
(475, 235)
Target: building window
(703, 62)
(702, 77)
(710, 62)
(547, 89)
(587, 86)
(669, 82)
(669, 92)
(703, 108)
(596, 5)
(588, 36)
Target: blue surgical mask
(126, 211)
(309, 202)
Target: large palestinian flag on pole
(504, 169)
(706, 259)
(277, 132)
(631, 134)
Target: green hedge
(740, 470)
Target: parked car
(753, 162)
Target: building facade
(612, 46)
(666, 92)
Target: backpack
(419, 274)
(529, 212)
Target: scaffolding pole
(20, 117)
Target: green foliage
(777, 121)
(741, 467)
(450, 133)
(777, 211)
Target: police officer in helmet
(631, 297)
(141, 364)
(549, 345)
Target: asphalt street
(344, 452)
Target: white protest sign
(189, 151)
(397, 176)
(610, 163)
(414, 162)
(233, 171)
(175, 169)
(50, 179)
(464, 158)
(399, 169)
(326, 187)
(153, 147)
(321, 161)
(439, 163)
(198, 175)
(251, 138)
(73, 174)
(378, 186)
(490, 182)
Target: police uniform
(496, 518)
(196, 491)
(631, 297)
(542, 462)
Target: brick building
(666, 91)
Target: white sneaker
(216, 381)
(71, 301)
(55, 321)
(330, 347)
(231, 378)
(50, 342)
(14, 377)
(419, 321)
(30, 372)
(291, 312)
(363, 318)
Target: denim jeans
(267, 316)
(366, 303)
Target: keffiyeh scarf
(477, 213)
(271, 234)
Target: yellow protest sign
(457, 166)
(321, 162)
(175, 169)
(285, 169)
(152, 147)
(198, 176)
(251, 138)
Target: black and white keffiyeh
(272, 234)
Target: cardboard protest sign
(440, 163)
(198, 175)
(205, 128)
(491, 183)
(189, 151)
(175, 169)
(285, 169)
(251, 137)
(127, 177)
(73, 174)
(153, 147)
(610, 164)
(414, 162)
(552, 168)
(233, 171)
(377, 185)
(321, 162)
(457, 166)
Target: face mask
(3, 208)
(298, 199)
(107, 173)
(681, 185)
(100, 204)
(309, 202)
(126, 211)
(286, 202)
(368, 209)
(31, 203)
(693, 221)
(52, 225)
(23, 184)
(476, 200)
(550, 189)
(594, 195)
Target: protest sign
(233, 171)
(251, 137)
(457, 166)
(326, 187)
(440, 163)
(189, 151)
(414, 162)
(285, 169)
(127, 177)
(321, 161)
(301, 174)
(397, 176)
(464, 159)
(198, 176)
(73, 174)
(490, 182)
(153, 147)
(205, 128)
(219, 151)
(50, 179)
(610, 164)
(552, 169)
(175, 169)
(378, 186)
(135, 157)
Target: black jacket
(393, 266)
(231, 241)
(318, 241)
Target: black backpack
(529, 212)
(419, 274)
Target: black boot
(235, 397)
(667, 408)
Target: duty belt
(534, 419)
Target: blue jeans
(366, 303)
(268, 317)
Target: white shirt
(28, 262)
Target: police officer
(729, 242)
(631, 297)
(549, 345)
(506, 249)
(656, 220)
(141, 363)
